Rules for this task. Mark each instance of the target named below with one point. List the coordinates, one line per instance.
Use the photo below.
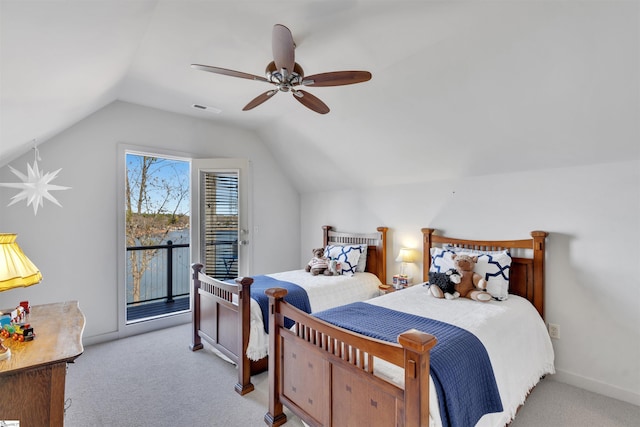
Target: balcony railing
(165, 284)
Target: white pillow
(493, 266)
(348, 257)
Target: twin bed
(230, 320)
(360, 363)
(328, 375)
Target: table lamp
(16, 270)
(405, 256)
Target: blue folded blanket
(460, 366)
(296, 296)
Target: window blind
(220, 224)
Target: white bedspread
(324, 292)
(512, 331)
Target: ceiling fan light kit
(286, 74)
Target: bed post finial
(417, 346)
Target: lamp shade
(16, 270)
(406, 255)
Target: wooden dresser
(32, 380)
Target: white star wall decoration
(35, 186)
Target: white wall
(592, 213)
(75, 246)
(593, 255)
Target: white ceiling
(459, 88)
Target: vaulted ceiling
(459, 88)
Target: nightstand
(386, 289)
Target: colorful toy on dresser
(13, 325)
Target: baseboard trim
(98, 339)
(596, 386)
(139, 328)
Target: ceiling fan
(286, 74)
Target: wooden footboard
(221, 317)
(325, 374)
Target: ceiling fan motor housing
(284, 79)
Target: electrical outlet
(554, 331)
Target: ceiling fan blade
(337, 78)
(226, 72)
(311, 102)
(283, 48)
(259, 99)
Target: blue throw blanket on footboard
(297, 297)
(460, 367)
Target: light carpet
(155, 380)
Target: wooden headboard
(376, 247)
(526, 277)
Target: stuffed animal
(471, 285)
(443, 285)
(319, 264)
(334, 267)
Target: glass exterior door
(221, 203)
(220, 224)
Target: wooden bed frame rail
(222, 310)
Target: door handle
(243, 242)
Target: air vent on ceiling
(207, 108)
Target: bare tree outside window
(157, 204)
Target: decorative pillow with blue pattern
(493, 266)
(348, 256)
(441, 260)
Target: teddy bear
(443, 285)
(319, 264)
(471, 285)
